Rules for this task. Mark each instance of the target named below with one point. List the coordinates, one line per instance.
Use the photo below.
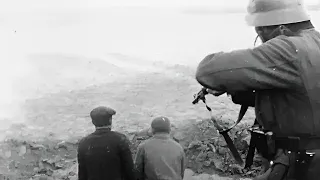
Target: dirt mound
(206, 149)
(24, 159)
(206, 153)
(46, 144)
(137, 99)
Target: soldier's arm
(139, 162)
(82, 172)
(126, 158)
(244, 98)
(270, 65)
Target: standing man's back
(104, 154)
(160, 158)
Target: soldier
(160, 157)
(105, 154)
(284, 74)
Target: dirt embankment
(206, 152)
(45, 145)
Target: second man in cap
(160, 157)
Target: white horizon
(22, 5)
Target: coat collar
(161, 136)
(103, 129)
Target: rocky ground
(44, 147)
(208, 156)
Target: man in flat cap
(160, 157)
(105, 154)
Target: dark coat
(105, 155)
(285, 74)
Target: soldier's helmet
(275, 12)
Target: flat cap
(161, 124)
(101, 116)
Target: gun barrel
(195, 101)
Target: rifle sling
(242, 112)
(225, 134)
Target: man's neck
(161, 135)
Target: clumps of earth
(206, 151)
(57, 117)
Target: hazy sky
(75, 27)
(23, 5)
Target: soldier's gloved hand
(215, 93)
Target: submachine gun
(200, 96)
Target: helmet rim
(291, 14)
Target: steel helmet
(275, 12)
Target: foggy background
(172, 31)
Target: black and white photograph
(160, 90)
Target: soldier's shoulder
(288, 44)
(279, 40)
(293, 42)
